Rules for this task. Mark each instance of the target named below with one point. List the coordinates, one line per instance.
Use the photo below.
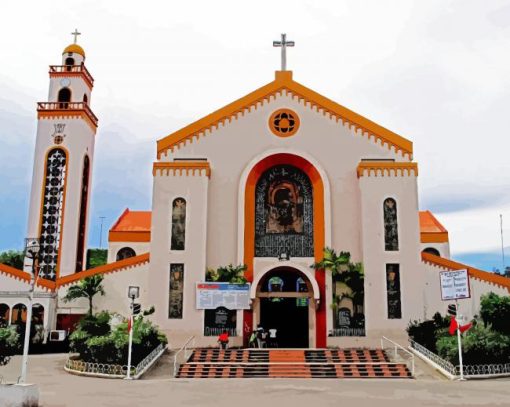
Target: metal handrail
(398, 346)
(72, 68)
(184, 348)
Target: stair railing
(190, 343)
(396, 347)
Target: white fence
(113, 371)
(453, 372)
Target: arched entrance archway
(318, 225)
(285, 301)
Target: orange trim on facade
(24, 276)
(107, 268)
(386, 168)
(434, 237)
(68, 114)
(481, 275)
(284, 83)
(129, 236)
(182, 168)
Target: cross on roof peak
(284, 44)
(75, 33)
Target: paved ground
(61, 389)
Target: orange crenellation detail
(386, 168)
(284, 84)
(182, 168)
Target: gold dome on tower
(74, 48)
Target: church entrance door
(285, 299)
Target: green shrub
(9, 344)
(426, 333)
(97, 341)
(480, 345)
(495, 311)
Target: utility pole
(101, 232)
(502, 245)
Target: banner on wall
(231, 296)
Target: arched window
(125, 253)
(178, 224)
(64, 97)
(69, 63)
(4, 315)
(432, 250)
(19, 314)
(52, 205)
(284, 213)
(85, 98)
(390, 225)
(83, 214)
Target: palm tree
(336, 263)
(86, 288)
(341, 267)
(228, 274)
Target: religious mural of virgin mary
(284, 210)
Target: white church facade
(267, 181)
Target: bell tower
(64, 153)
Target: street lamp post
(133, 293)
(32, 251)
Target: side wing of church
(268, 181)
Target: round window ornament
(284, 123)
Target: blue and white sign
(231, 296)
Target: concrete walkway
(61, 389)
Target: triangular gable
(284, 83)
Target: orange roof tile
(132, 226)
(133, 221)
(431, 231)
(481, 275)
(429, 223)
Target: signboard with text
(454, 285)
(231, 296)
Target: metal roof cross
(75, 33)
(284, 44)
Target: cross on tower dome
(75, 33)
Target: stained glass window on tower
(390, 225)
(178, 224)
(52, 206)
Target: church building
(268, 181)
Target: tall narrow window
(83, 214)
(64, 97)
(390, 225)
(52, 206)
(176, 291)
(69, 63)
(178, 224)
(393, 291)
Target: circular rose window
(284, 123)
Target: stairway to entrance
(291, 363)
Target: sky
(435, 72)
